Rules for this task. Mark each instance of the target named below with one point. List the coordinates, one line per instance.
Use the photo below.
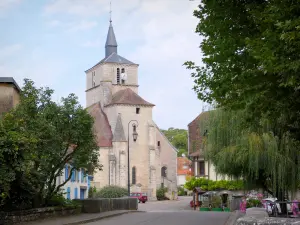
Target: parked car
(142, 197)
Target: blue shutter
(66, 172)
(82, 175)
(68, 193)
(73, 176)
(76, 193)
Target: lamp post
(135, 124)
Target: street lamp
(135, 124)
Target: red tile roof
(101, 126)
(128, 97)
(183, 166)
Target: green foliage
(250, 58)
(255, 153)
(209, 185)
(111, 192)
(37, 139)
(160, 193)
(253, 203)
(251, 66)
(92, 192)
(181, 191)
(216, 202)
(178, 138)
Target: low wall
(36, 214)
(256, 216)
(98, 205)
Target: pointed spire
(119, 134)
(111, 45)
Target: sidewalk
(80, 218)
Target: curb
(100, 218)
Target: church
(129, 141)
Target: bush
(181, 191)
(57, 200)
(216, 201)
(92, 192)
(160, 193)
(111, 192)
(253, 203)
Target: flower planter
(217, 209)
(203, 209)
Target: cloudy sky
(53, 42)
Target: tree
(178, 138)
(251, 58)
(46, 136)
(255, 154)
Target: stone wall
(9, 97)
(36, 214)
(103, 205)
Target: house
(77, 187)
(183, 170)
(201, 167)
(125, 129)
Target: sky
(53, 42)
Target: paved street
(167, 213)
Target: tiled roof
(101, 126)
(113, 58)
(183, 166)
(128, 97)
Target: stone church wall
(168, 158)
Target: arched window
(123, 70)
(118, 75)
(164, 171)
(133, 175)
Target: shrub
(253, 203)
(92, 192)
(216, 201)
(111, 192)
(160, 193)
(181, 191)
(57, 200)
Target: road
(167, 213)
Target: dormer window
(118, 75)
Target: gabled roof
(10, 80)
(119, 134)
(128, 97)
(203, 115)
(101, 126)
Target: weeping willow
(260, 154)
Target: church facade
(119, 112)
